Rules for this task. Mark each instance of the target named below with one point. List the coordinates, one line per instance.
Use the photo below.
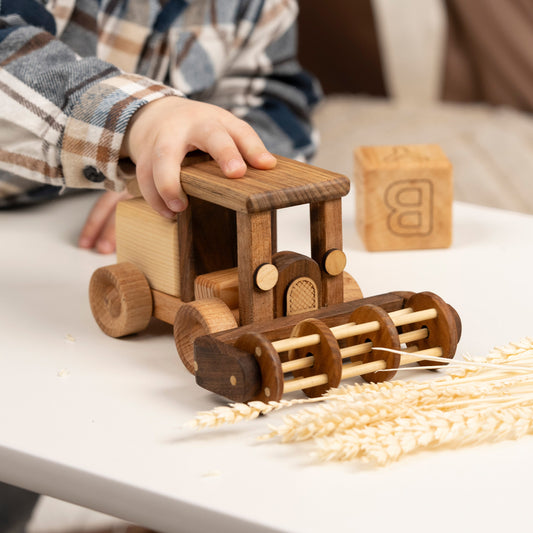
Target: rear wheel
(194, 319)
(120, 299)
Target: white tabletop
(98, 421)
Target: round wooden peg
(266, 276)
(334, 262)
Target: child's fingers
(250, 145)
(220, 145)
(97, 221)
(166, 164)
(106, 242)
(145, 179)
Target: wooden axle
(357, 369)
(351, 351)
(399, 318)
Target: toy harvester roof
(289, 183)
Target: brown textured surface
(291, 266)
(326, 354)
(226, 370)
(326, 234)
(198, 318)
(385, 337)
(268, 360)
(339, 45)
(332, 316)
(254, 249)
(121, 300)
(442, 331)
(289, 183)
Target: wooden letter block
(150, 242)
(403, 197)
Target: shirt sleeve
(62, 117)
(263, 82)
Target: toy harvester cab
(215, 274)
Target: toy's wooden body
(215, 274)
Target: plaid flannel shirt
(73, 72)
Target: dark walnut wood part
(385, 337)
(443, 331)
(326, 354)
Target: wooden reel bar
(319, 357)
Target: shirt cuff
(94, 131)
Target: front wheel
(194, 319)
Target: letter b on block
(411, 207)
(403, 197)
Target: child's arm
(261, 82)
(158, 137)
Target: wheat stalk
(490, 400)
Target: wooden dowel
(351, 329)
(356, 369)
(350, 351)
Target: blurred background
(451, 72)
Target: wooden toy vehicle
(245, 314)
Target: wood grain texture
(150, 242)
(120, 299)
(326, 234)
(268, 360)
(333, 315)
(443, 331)
(165, 306)
(254, 249)
(226, 370)
(223, 284)
(215, 236)
(351, 288)
(404, 197)
(196, 319)
(292, 266)
(186, 258)
(326, 354)
(289, 183)
(385, 337)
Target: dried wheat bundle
(381, 423)
(479, 401)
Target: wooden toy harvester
(250, 322)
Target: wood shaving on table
(486, 400)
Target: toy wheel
(351, 291)
(121, 299)
(194, 319)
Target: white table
(98, 421)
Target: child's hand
(161, 134)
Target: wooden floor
(491, 149)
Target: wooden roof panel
(289, 183)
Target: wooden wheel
(385, 337)
(326, 354)
(194, 319)
(443, 331)
(120, 299)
